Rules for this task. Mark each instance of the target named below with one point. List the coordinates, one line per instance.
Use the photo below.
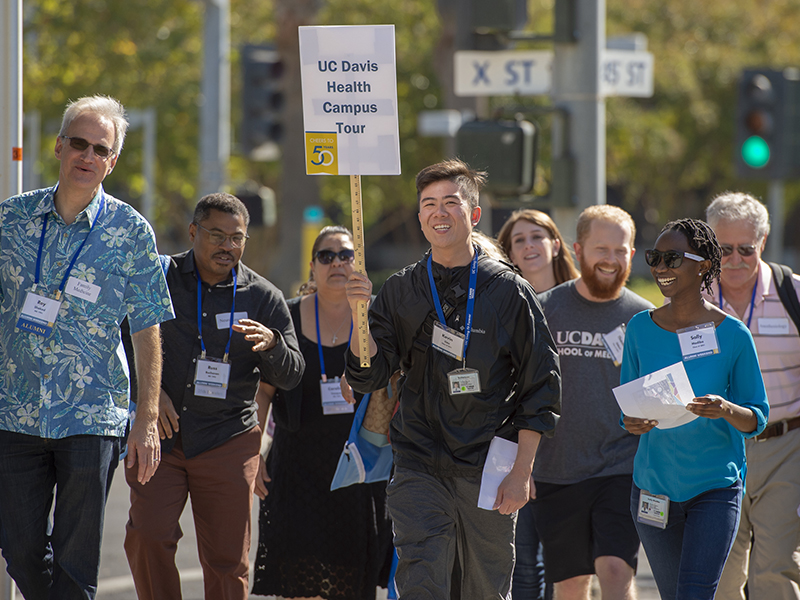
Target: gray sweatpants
(434, 515)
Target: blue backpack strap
(166, 261)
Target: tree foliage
(665, 155)
(672, 152)
(146, 53)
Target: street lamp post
(215, 111)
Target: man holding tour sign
(476, 365)
(479, 364)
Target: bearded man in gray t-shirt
(583, 473)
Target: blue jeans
(528, 581)
(59, 561)
(688, 556)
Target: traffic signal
(499, 15)
(262, 101)
(260, 204)
(505, 149)
(768, 124)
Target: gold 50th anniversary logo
(321, 153)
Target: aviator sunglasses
(326, 257)
(672, 259)
(746, 250)
(81, 144)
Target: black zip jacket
(510, 346)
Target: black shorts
(579, 522)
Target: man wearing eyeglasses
(766, 552)
(232, 328)
(74, 262)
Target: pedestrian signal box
(505, 149)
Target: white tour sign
(530, 73)
(349, 80)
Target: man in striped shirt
(766, 552)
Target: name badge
(464, 381)
(653, 509)
(698, 341)
(38, 314)
(211, 378)
(614, 341)
(773, 326)
(82, 289)
(224, 319)
(449, 341)
(333, 403)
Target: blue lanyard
(74, 256)
(752, 301)
(200, 314)
(473, 280)
(319, 343)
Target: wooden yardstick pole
(362, 337)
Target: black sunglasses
(326, 257)
(81, 144)
(746, 250)
(672, 259)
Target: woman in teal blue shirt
(688, 479)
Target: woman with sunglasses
(535, 246)
(688, 479)
(314, 542)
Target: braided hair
(701, 240)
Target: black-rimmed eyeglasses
(80, 144)
(672, 259)
(215, 237)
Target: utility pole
(10, 98)
(215, 112)
(576, 89)
(146, 119)
(775, 204)
(31, 171)
(10, 142)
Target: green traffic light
(755, 152)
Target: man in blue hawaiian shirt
(74, 261)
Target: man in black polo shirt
(232, 327)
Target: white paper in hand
(661, 396)
(499, 462)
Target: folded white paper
(661, 396)
(499, 462)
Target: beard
(599, 288)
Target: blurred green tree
(666, 155)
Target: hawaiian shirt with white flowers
(75, 380)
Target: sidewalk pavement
(116, 582)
